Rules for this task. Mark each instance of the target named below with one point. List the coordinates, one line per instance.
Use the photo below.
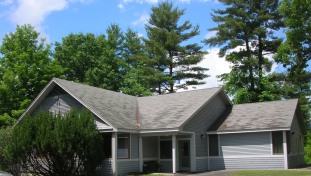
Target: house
(189, 131)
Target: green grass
(271, 173)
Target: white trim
(247, 156)
(140, 148)
(114, 154)
(285, 150)
(218, 136)
(271, 143)
(126, 160)
(248, 131)
(201, 157)
(144, 131)
(174, 153)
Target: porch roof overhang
(163, 132)
(248, 131)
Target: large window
(123, 145)
(277, 142)
(166, 149)
(213, 145)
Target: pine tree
(247, 25)
(170, 55)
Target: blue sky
(58, 18)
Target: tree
(168, 51)
(78, 54)
(48, 144)
(108, 70)
(134, 81)
(294, 53)
(25, 68)
(247, 25)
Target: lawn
(271, 173)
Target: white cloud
(34, 12)
(122, 4)
(185, 1)
(143, 19)
(210, 34)
(216, 65)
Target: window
(123, 145)
(107, 145)
(277, 142)
(166, 149)
(213, 145)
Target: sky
(55, 19)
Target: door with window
(184, 155)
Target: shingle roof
(116, 108)
(257, 116)
(172, 110)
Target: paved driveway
(209, 173)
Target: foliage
(48, 144)
(170, 57)
(78, 53)
(25, 68)
(247, 26)
(5, 135)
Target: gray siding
(296, 139)
(60, 102)
(273, 162)
(203, 120)
(166, 166)
(245, 144)
(105, 168)
(134, 146)
(127, 166)
(150, 147)
(202, 164)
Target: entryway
(184, 155)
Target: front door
(184, 155)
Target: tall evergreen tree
(294, 53)
(248, 25)
(170, 56)
(25, 68)
(134, 81)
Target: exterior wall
(134, 146)
(202, 121)
(166, 165)
(126, 166)
(105, 168)
(255, 162)
(246, 151)
(296, 156)
(245, 144)
(201, 164)
(150, 148)
(58, 101)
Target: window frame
(127, 146)
(213, 142)
(170, 155)
(277, 143)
